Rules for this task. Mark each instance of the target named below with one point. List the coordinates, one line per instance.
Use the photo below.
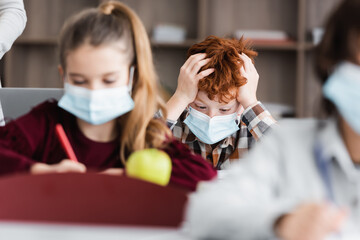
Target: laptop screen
(16, 102)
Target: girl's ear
(61, 71)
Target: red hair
(224, 55)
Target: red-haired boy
(214, 109)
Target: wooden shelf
(258, 45)
(274, 45)
(185, 44)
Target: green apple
(151, 165)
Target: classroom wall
(285, 67)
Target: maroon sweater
(31, 138)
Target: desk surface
(39, 231)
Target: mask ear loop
(131, 78)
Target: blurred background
(284, 32)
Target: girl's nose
(94, 85)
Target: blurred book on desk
(262, 34)
(271, 36)
(168, 33)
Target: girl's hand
(113, 171)
(187, 87)
(64, 166)
(311, 221)
(247, 93)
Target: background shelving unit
(285, 69)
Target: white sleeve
(246, 202)
(12, 23)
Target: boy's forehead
(202, 97)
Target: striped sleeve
(170, 123)
(258, 120)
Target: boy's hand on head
(189, 77)
(310, 221)
(247, 93)
(187, 87)
(64, 166)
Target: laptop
(16, 102)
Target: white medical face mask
(343, 89)
(211, 130)
(97, 106)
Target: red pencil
(60, 133)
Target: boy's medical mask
(211, 130)
(98, 106)
(343, 89)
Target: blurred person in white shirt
(12, 23)
(303, 181)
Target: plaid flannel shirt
(255, 121)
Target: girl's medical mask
(211, 130)
(343, 89)
(98, 106)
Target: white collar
(333, 148)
